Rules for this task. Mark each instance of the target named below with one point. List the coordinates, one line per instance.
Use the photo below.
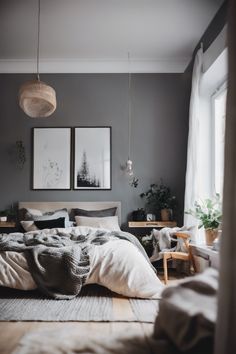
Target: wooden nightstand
(142, 228)
(6, 227)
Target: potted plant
(209, 212)
(3, 215)
(7, 214)
(159, 200)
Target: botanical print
(92, 158)
(51, 168)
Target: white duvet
(117, 265)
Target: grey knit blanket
(58, 258)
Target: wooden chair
(184, 256)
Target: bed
(112, 258)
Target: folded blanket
(187, 312)
(164, 240)
(58, 258)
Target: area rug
(95, 303)
(144, 310)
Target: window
(219, 112)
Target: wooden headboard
(49, 206)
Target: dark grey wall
(159, 132)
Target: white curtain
(225, 341)
(192, 181)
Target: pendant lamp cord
(39, 10)
(129, 128)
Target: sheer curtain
(225, 341)
(192, 181)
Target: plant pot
(210, 236)
(165, 214)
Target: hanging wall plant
(20, 154)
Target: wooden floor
(12, 332)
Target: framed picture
(51, 158)
(92, 158)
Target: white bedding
(118, 265)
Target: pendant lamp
(36, 98)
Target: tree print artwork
(83, 177)
(92, 164)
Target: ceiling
(96, 35)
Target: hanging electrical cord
(38, 48)
(129, 168)
(133, 181)
(129, 131)
(36, 98)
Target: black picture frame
(51, 158)
(92, 167)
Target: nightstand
(142, 228)
(6, 227)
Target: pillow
(28, 225)
(34, 212)
(109, 222)
(50, 215)
(50, 224)
(94, 213)
(31, 225)
(119, 266)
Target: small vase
(165, 214)
(210, 235)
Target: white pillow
(34, 212)
(121, 267)
(108, 222)
(29, 226)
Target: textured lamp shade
(37, 99)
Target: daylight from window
(219, 109)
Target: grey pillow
(50, 215)
(93, 213)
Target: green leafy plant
(158, 197)
(3, 213)
(208, 211)
(10, 213)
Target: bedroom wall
(159, 132)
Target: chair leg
(165, 269)
(191, 256)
